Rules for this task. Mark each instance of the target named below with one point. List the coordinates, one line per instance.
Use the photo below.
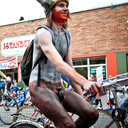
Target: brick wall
(99, 31)
(19, 29)
(92, 32)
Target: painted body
(45, 96)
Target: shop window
(83, 71)
(77, 62)
(97, 60)
(86, 66)
(9, 70)
(94, 68)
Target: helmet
(48, 4)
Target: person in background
(66, 82)
(13, 93)
(111, 100)
(98, 102)
(20, 86)
(2, 89)
(21, 99)
(93, 97)
(12, 102)
(27, 97)
(8, 85)
(2, 85)
(14, 86)
(92, 78)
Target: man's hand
(93, 87)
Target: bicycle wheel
(25, 124)
(28, 113)
(7, 111)
(105, 121)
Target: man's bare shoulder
(43, 37)
(43, 31)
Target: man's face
(60, 12)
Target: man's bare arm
(76, 87)
(48, 48)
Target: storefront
(11, 48)
(84, 64)
(9, 67)
(88, 64)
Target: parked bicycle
(5, 109)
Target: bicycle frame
(34, 115)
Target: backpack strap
(67, 35)
(38, 79)
(47, 28)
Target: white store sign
(99, 74)
(15, 46)
(8, 63)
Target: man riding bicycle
(50, 96)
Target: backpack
(26, 61)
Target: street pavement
(6, 115)
(3, 125)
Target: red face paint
(59, 18)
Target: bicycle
(114, 119)
(5, 109)
(32, 115)
(29, 116)
(35, 118)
